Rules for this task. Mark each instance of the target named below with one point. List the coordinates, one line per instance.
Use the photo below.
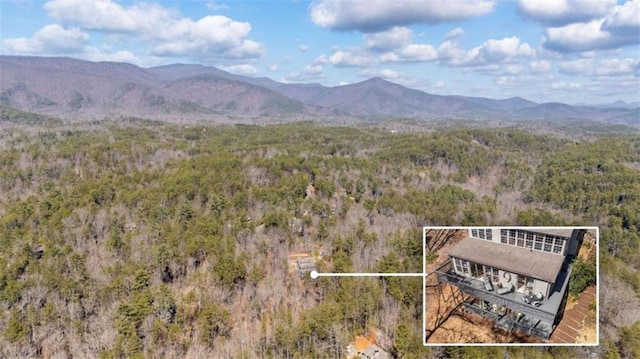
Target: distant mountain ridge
(60, 86)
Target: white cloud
(167, 32)
(313, 69)
(449, 50)
(581, 37)
(243, 69)
(492, 51)
(563, 12)
(412, 53)
(377, 15)
(618, 67)
(454, 33)
(51, 39)
(505, 81)
(538, 67)
(619, 28)
(514, 69)
(390, 75)
(302, 47)
(500, 50)
(566, 86)
(209, 37)
(394, 38)
(347, 58)
(576, 67)
(106, 15)
(624, 19)
(419, 52)
(311, 72)
(95, 54)
(272, 68)
(214, 6)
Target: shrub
(582, 276)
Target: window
(525, 239)
(462, 266)
(520, 239)
(529, 240)
(557, 249)
(557, 246)
(482, 233)
(476, 271)
(492, 273)
(524, 283)
(465, 267)
(538, 242)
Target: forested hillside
(143, 239)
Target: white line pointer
(315, 274)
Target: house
(517, 277)
(305, 265)
(366, 348)
(373, 352)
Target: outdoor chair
(487, 283)
(506, 289)
(535, 300)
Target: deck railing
(446, 274)
(508, 323)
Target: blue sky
(572, 51)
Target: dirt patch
(444, 318)
(570, 303)
(360, 343)
(440, 301)
(587, 334)
(458, 329)
(588, 248)
(471, 328)
(438, 244)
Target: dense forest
(134, 238)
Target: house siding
(506, 277)
(569, 241)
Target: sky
(571, 51)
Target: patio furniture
(535, 300)
(506, 289)
(487, 283)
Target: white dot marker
(313, 274)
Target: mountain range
(72, 88)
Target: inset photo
(511, 285)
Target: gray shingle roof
(531, 263)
